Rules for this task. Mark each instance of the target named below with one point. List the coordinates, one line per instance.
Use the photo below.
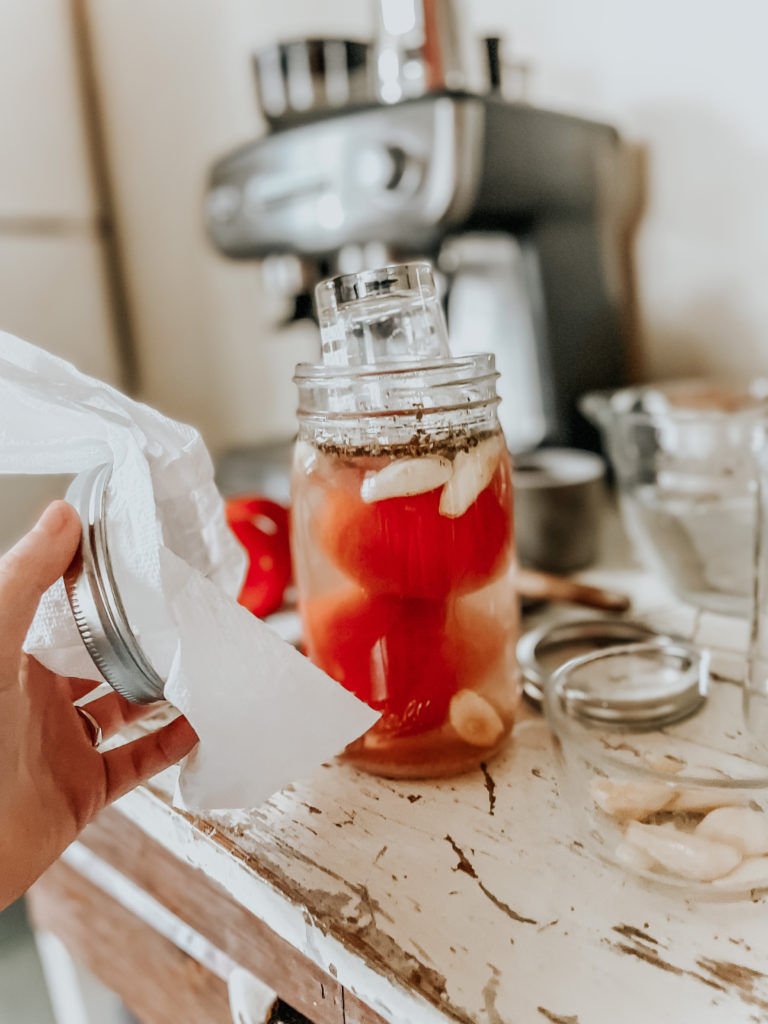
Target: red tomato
(343, 631)
(405, 657)
(404, 546)
(261, 526)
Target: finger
(112, 712)
(30, 567)
(68, 686)
(133, 763)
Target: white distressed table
(461, 900)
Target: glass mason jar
(402, 527)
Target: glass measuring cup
(682, 456)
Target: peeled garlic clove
(630, 799)
(405, 477)
(475, 719)
(635, 859)
(702, 800)
(683, 853)
(750, 874)
(472, 472)
(741, 827)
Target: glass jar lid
(541, 652)
(643, 686)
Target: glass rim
(479, 367)
(417, 413)
(335, 293)
(598, 404)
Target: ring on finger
(92, 727)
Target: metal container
(421, 47)
(301, 80)
(541, 652)
(95, 599)
(559, 500)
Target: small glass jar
(658, 771)
(402, 527)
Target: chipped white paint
(149, 910)
(468, 899)
(250, 1000)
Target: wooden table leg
(168, 940)
(155, 980)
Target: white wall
(52, 289)
(177, 86)
(686, 79)
(52, 282)
(689, 80)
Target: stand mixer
(384, 152)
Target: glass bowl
(681, 454)
(657, 769)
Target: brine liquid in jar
(407, 597)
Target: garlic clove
(635, 800)
(703, 800)
(472, 472)
(743, 828)
(634, 858)
(475, 719)
(406, 477)
(752, 873)
(683, 853)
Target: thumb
(30, 568)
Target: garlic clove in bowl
(741, 827)
(683, 853)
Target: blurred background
(112, 115)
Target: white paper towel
(264, 714)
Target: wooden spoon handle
(544, 586)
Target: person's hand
(52, 779)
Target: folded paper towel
(264, 714)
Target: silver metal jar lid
(635, 686)
(541, 652)
(95, 599)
